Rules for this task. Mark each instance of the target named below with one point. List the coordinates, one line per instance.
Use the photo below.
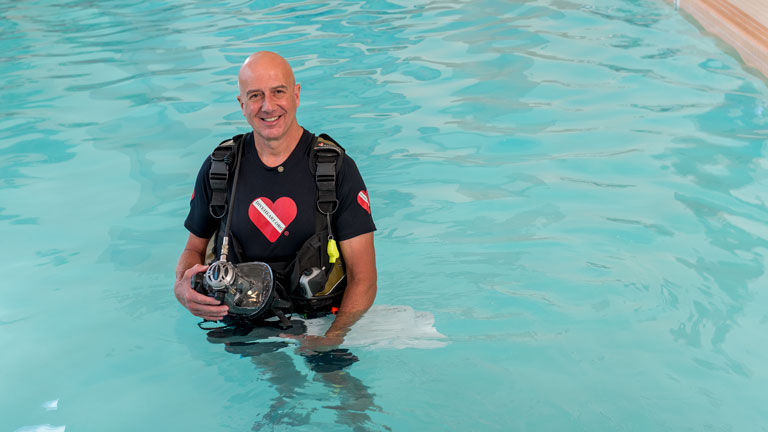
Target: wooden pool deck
(743, 24)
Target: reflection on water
(354, 400)
(575, 192)
(725, 160)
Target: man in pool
(274, 209)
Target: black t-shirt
(274, 211)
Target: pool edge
(730, 20)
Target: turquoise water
(571, 203)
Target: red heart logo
(362, 199)
(272, 218)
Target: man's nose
(268, 103)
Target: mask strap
(225, 242)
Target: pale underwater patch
(387, 327)
(41, 428)
(51, 405)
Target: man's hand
(360, 260)
(312, 343)
(200, 305)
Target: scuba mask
(247, 288)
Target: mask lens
(253, 287)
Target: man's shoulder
(227, 141)
(221, 150)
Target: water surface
(573, 195)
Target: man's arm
(360, 262)
(191, 263)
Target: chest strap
(325, 163)
(222, 159)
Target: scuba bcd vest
(313, 283)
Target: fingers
(213, 313)
(195, 269)
(204, 306)
(200, 304)
(195, 297)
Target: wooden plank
(727, 19)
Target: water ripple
(591, 176)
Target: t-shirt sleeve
(199, 220)
(353, 216)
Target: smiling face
(269, 97)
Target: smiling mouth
(270, 119)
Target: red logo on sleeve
(193, 195)
(362, 199)
(272, 218)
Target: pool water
(571, 203)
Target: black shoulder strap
(222, 160)
(325, 163)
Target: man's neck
(274, 152)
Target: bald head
(261, 63)
(269, 97)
